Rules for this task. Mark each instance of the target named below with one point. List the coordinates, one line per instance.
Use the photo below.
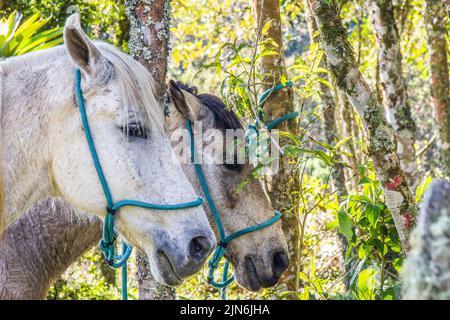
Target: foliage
(93, 286)
(17, 38)
(373, 244)
(102, 19)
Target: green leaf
(40, 38)
(373, 211)
(365, 180)
(326, 82)
(26, 38)
(266, 53)
(398, 264)
(367, 284)
(323, 144)
(342, 142)
(345, 224)
(266, 27)
(361, 252)
(49, 44)
(331, 225)
(323, 156)
(422, 187)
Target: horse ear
(180, 101)
(82, 51)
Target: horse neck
(29, 99)
(41, 245)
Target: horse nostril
(280, 262)
(200, 248)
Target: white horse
(44, 152)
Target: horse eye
(135, 130)
(233, 166)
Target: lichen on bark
(149, 288)
(382, 144)
(149, 44)
(149, 36)
(338, 179)
(393, 86)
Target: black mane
(223, 118)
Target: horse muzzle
(176, 261)
(254, 275)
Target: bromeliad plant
(17, 38)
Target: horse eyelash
(134, 130)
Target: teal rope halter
(107, 244)
(219, 253)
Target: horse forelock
(223, 118)
(136, 84)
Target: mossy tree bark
(392, 84)
(149, 43)
(426, 273)
(435, 24)
(382, 144)
(277, 105)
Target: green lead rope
(107, 244)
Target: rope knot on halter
(223, 244)
(110, 210)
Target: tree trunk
(149, 37)
(393, 86)
(382, 144)
(149, 43)
(427, 269)
(277, 105)
(435, 24)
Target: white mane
(137, 84)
